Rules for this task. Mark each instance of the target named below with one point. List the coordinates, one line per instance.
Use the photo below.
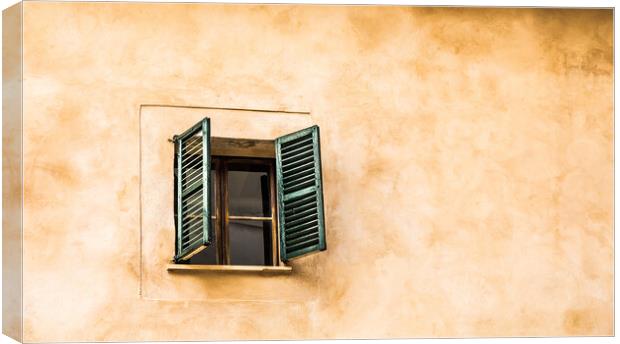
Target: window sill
(230, 268)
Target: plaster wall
(467, 165)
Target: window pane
(213, 200)
(248, 193)
(250, 242)
(206, 256)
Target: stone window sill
(229, 268)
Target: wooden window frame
(221, 216)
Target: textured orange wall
(467, 160)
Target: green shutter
(192, 185)
(300, 193)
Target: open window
(247, 202)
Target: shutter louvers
(192, 190)
(300, 193)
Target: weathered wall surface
(12, 194)
(467, 161)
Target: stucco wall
(467, 165)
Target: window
(242, 213)
(262, 210)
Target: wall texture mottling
(467, 165)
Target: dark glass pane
(206, 256)
(250, 242)
(248, 193)
(212, 203)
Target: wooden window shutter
(192, 186)
(300, 193)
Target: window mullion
(275, 243)
(218, 205)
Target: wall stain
(575, 40)
(578, 321)
(60, 172)
(372, 28)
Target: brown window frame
(221, 166)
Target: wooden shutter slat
(195, 172)
(297, 156)
(294, 144)
(190, 183)
(296, 150)
(191, 221)
(300, 194)
(303, 244)
(190, 150)
(304, 232)
(295, 229)
(190, 188)
(290, 206)
(192, 208)
(306, 162)
(303, 211)
(299, 210)
(192, 191)
(300, 184)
